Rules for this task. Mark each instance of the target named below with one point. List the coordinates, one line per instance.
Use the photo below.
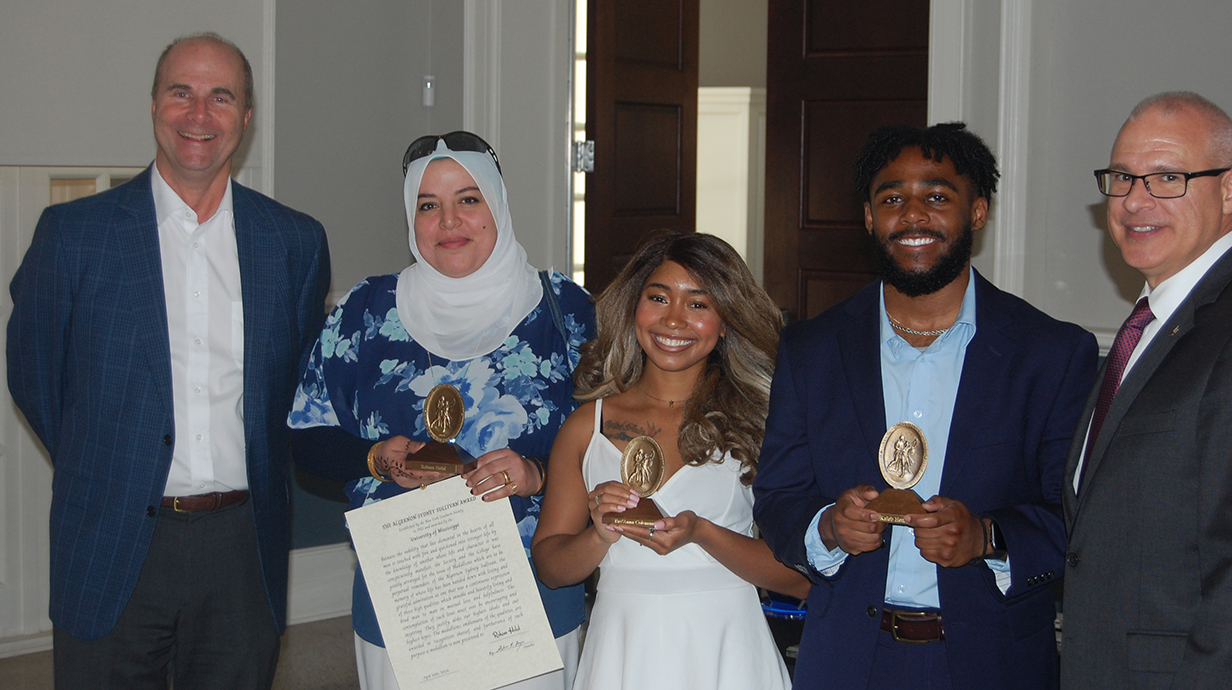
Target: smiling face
(1161, 236)
(675, 320)
(199, 112)
(922, 217)
(454, 228)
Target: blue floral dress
(368, 377)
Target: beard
(926, 282)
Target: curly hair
(967, 151)
(726, 412)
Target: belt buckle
(175, 505)
(895, 615)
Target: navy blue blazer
(90, 366)
(1024, 381)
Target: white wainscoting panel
(731, 138)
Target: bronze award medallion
(641, 469)
(444, 411)
(902, 458)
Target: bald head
(212, 37)
(1173, 104)
(1178, 133)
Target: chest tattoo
(627, 431)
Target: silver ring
(652, 531)
(596, 501)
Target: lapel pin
(1175, 330)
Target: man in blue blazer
(959, 595)
(154, 348)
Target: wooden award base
(441, 457)
(644, 515)
(894, 505)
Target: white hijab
(463, 318)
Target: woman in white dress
(684, 355)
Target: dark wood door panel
(641, 113)
(648, 165)
(820, 290)
(866, 26)
(835, 70)
(650, 32)
(828, 159)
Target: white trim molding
(731, 135)
(481, 69)
(947, 40)
(1104, 337)
(320, 588)
(320, 583)
(1009, 253)
(30, 644)
(265, 114)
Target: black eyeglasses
(1162, 185)
(460, 140)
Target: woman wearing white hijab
(471, 313)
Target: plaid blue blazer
(90, 366)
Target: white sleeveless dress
(682, 620)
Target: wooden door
(836, 69)
(641, 112)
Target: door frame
(949, 92)
(950, 52)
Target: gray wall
(1092, 62)
(732, 43)
(534, 128)
(349, 96)
(76, 74)
(349, 102)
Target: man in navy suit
(959, 595)
(154, 348)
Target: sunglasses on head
(456, 141)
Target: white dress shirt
(205, 325)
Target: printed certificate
(453, 591)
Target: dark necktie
(1126, 340)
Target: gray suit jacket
(1148, 578)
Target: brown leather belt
(201, 502)
(913, 626)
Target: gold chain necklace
(670, 403)
(898, 326)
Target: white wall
(76, 74)
(520, 103)
(731, 150)
(349, 102)
(1047, 83)
(732, 42)
(1093, 62)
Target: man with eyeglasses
(1148, 490)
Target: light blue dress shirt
(918, 386)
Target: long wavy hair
(726, 412)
